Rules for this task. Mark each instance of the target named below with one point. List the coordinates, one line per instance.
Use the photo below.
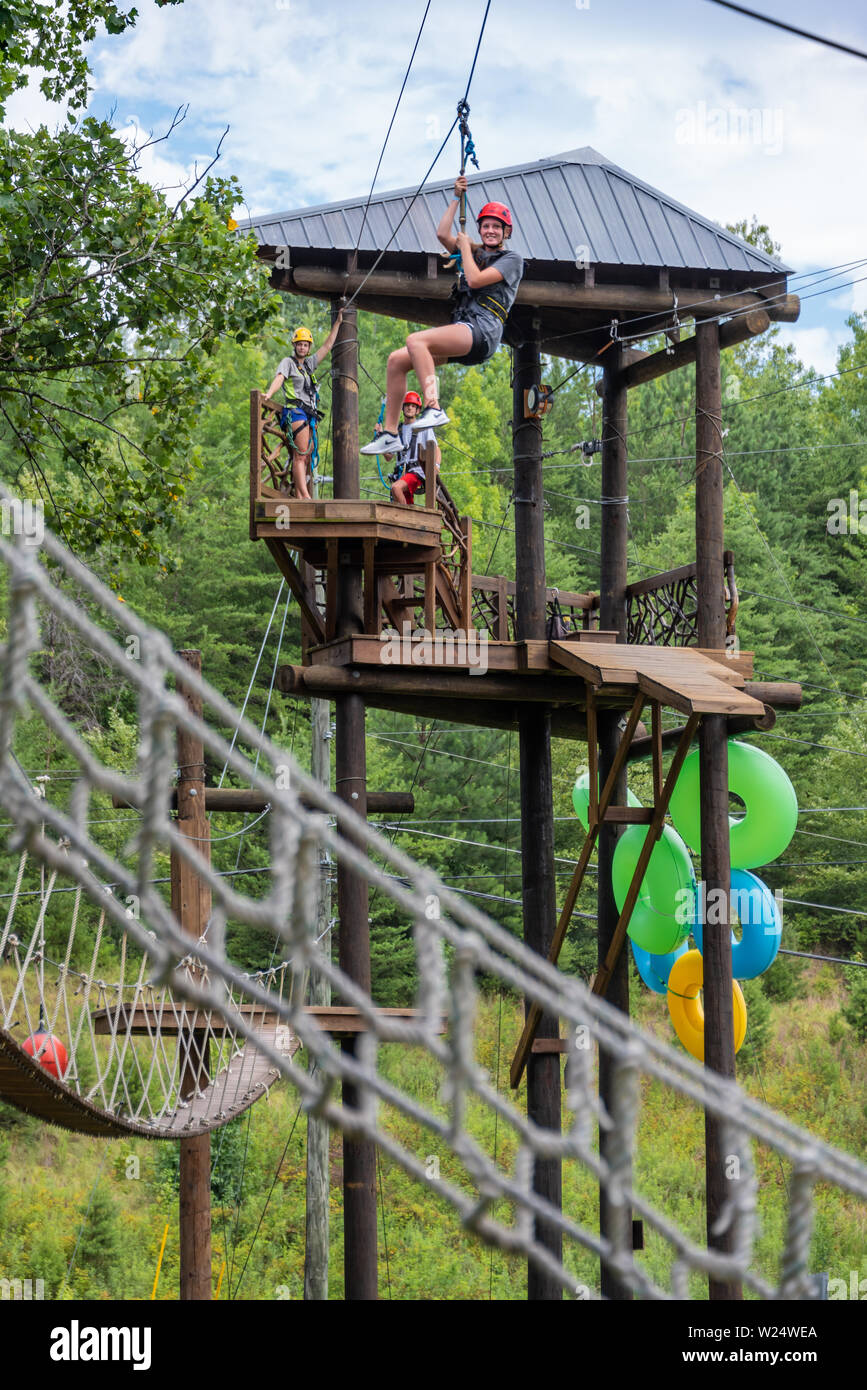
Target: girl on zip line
(295, 375)
(490, 275)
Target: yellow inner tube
(684, 1004)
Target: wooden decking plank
(597, 663)
(698, 694)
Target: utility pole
(612, 616)
(359, 1154)
(318, 1132)
(537, 794)
(191, 905)
(719, 1048)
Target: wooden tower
(602, 250)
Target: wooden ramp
(681, 677)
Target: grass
(48, 1178)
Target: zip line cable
(826, 272)
(791, 28)
(430, 169)
(252, 678)
(407, 211)
(247, 827)
(391, 123)
(267, 1200)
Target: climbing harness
(314, 414)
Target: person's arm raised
(445, 235)
(323, 351)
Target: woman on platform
(295, 375)
(490, 275)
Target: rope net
(165, 992)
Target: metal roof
(560, 205)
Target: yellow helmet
(302, 335)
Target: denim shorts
(481, 348)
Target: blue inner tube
(755, 906)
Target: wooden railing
(270, 450)
(494, 607)
(662, 611)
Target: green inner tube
(771, 816)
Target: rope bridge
(153, 1044)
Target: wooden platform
(557, 673)
(309, 526)
(146, 1021)
(681, 677)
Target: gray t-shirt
(511, 266)
(298, 387)
(412, 443)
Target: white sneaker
(384, 443)
(431, 418)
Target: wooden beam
(642, 746)
(191, 905)
(535, 293)
(428, 682)
(247, 799)
(737, 330)
(294, 579)
(255, 455)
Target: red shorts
(413, 484)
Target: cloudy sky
(307, 88)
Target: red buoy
(52, 1055)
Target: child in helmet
(490, 275)
(295, 375)
(408, 477)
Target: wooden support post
(318, 1177)
(656, 739)
(191, 904)
(318, 1174)
(537, 797)
(428, 458)
(592, 758)
(359, 1155)
(255, 455)
(466, 578)
(719, 1054)
(612, 616)
(535, 1013)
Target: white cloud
(308, 91)
(154, 166)
(815, 347)
(29, 109)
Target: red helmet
(498, 210)
(412, 398)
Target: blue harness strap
(379, 421)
